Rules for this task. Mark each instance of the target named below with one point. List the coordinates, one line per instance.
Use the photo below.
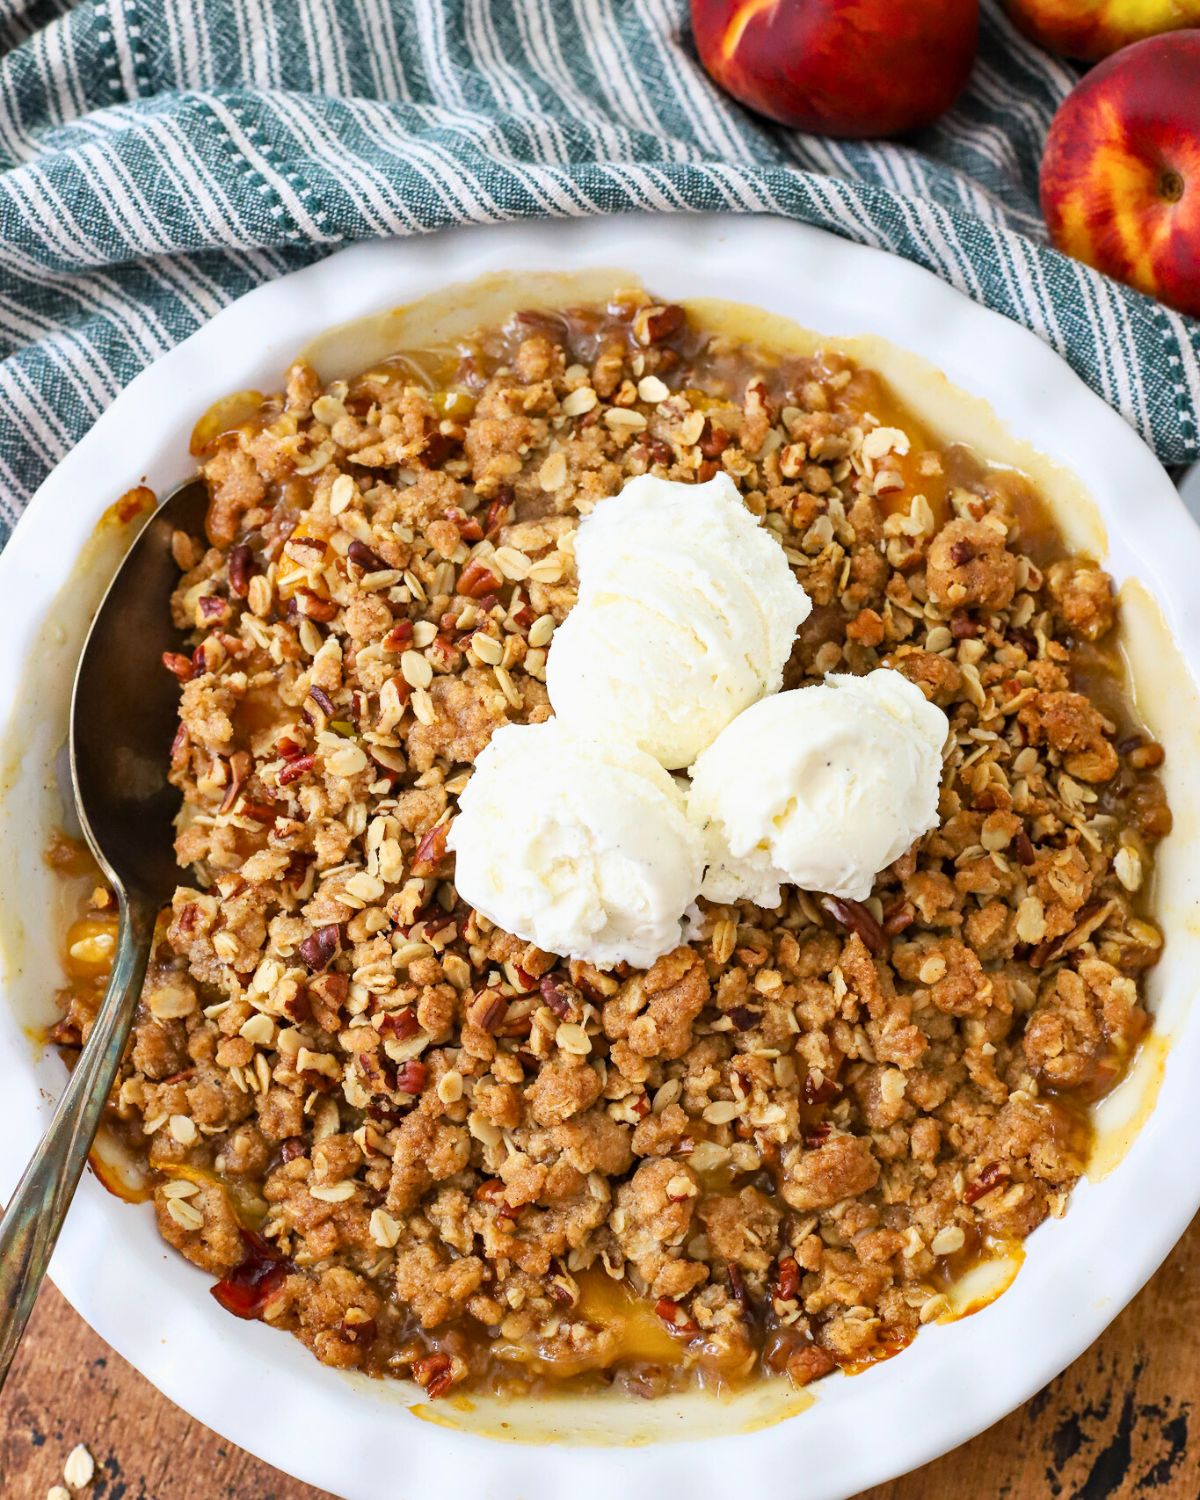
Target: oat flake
(79, 1467)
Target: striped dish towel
(160, 157)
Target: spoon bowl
(125, 707)
(124, 713)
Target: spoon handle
(30, 1226)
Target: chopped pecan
(242, 567)
(477, 580)
(431, 851)
(320, 946)
(246, 1290)
(675, 1316)
(652, 325)
(178, 665)
(787, 1280)
(294, 769)
(411, 1077)
(434, 1373)
(992, 1176)
(855, 917)
(363, 557)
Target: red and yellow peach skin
(1120, 180)
(840, 67)
(1091, 29)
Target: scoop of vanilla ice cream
(821, 787)
(579, 846)
(686, 614)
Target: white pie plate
(260, 1389)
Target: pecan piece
(242, 567)
(855, 917)
(359, 1330)
(178, 665)
(434, 1373)
(713, 440)
(819, 1093)
(468, 526)
(363, 556)
(247, 1289)
(489, 1010)
(240, 766)
(411, 1077)
(295, 769)
(260, 812)
(787, 1280)
(179, 748)
(431, 850)
(898, 918)
(319, 947)
(313, 607)
(674, 1315)
(399, 637)
(400, 1024)
(213, 608)
(561, 996)
(497, 512)
(994, 1175)
(477, 579)
(653, 324)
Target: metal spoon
(123, 719)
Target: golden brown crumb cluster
(424, 1146)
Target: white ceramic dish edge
(266, 1394)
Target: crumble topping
(427, 1148)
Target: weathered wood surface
(1115, 1426)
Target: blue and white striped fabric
(159, 157)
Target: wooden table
(1116, 1424)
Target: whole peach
(1121, 171)
(1091, 29)
(840, 67)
